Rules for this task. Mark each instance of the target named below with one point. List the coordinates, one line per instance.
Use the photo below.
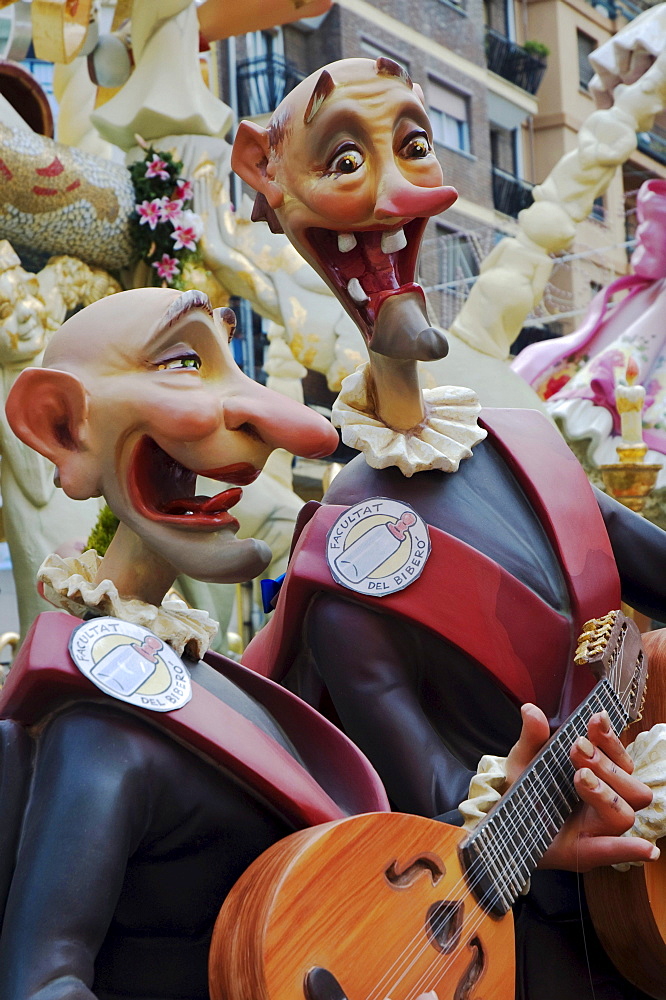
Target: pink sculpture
(578, 375)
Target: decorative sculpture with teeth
(428, 678)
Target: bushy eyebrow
(190, 301)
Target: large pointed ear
(249, 158)
(48, 411)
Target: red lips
(240, 474)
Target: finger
(534, 733)
(601, 734)
(594, 852)
(585, 755)
(609, 813)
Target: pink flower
(170, 210)
(150, 212)
(184, 190)
(157, 168)
(167, 267)
(187, 229)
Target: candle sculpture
(632, 479)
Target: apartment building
(503, 112)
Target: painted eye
(186, 363)
(346, 162)
(416, 146)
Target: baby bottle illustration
(368, 552)
(127, 667)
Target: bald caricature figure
(119, 845)
(425, 677)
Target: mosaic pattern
(60, 200)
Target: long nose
(279, 421)
(399, 198)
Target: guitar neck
(505, 848)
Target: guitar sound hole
(444, 924)
(402, 877)
(473, 972)
(320, 984)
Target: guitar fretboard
(506, 846)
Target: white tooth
(346, 242)
(392, 242)
(356, 292)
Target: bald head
(116, 325)
(305, 100)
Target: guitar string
(496, 856)
(440, 966)
(614, 673)
(389, 972)
(615, 670)
(467, 880)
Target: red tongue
(204, 505)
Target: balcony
(653, 144)
(263, 82)
(628, 9)
(510, 194)
(513, 62)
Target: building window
(504, 149)
(586, 47)
(459, 261)
(449, 114)
(497, 17)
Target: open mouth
(163, 490)
(369, 266)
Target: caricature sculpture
(136, 786)
(491, 560)
(118, 851)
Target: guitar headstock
(611, 647)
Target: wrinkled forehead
(118, 328)
(368, 88)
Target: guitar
(637, 945)
(387, 906)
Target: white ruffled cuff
(648, 752)
(69, 584)
(441, 441)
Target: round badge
(130, 663)
(378, 547)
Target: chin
(219, 558)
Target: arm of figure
(610, 795)
(365, 661)
(220, 19)
(639, 547)
(88, 807)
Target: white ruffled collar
(442, 440)
(69, 584)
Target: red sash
(45, 678)
(467, 598)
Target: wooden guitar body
(366, 908)
(629, 908)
